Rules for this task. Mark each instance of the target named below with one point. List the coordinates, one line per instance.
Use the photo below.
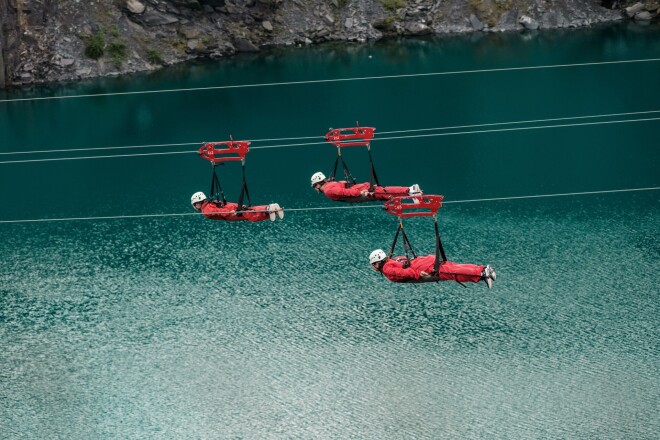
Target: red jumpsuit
(216, 212)
(339, 192)
(394, 271)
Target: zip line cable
(127, 147)
(332, 80)
(499, 130)
(333, 207)
(531, 121)
(322, 137)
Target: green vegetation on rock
(118, 51)
(154, 56)
(392, 4)
(95, 45)
(490, 11)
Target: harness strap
(347, 173)
(407, 246)
(215, 185)
(406, 243)
(439, 250)
(396, 237)
(244, 192)
(373, 181)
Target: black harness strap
(439, 250)
(347, 173)
(244, 192)
(396, 237)
(374, 178)
(407, 246)
(215, 186)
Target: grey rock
(154, 18)
(245, 45)
(267, 25)
(135, 7)
(528, 22)
(329, 19)
(418, 29)
(634, 9)
(190, 33)
(643, 16)
(477, 25)
(66, 62)
(213, 3)
(191, 4)
(86, 31)
(348, 23)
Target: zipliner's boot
(272, 212)
(489, 276)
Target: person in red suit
(420, 270)
(360, 192)
(229, 211)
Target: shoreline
(49, 46)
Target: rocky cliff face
(51, 40)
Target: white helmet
(318, 178)
(377, 256)
(197, 197)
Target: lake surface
(181, 327)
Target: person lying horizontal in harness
(342, 191)
(420, 270)
(229, 211)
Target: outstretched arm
(337, 192)
(394, 270)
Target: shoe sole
(274, 209)
(491, 273)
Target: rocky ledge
(51, 40)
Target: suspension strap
(244, 191)
(215, 186)
(406, 243)
(407, 246)
(439, 250)
(396, 237)
(347, 173)
(373, 181)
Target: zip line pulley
(416, 206)
(233, 151)
(352, 137)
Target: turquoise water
(180, 327)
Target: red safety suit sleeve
(215, 212)
(394, 271)
(337, 190)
